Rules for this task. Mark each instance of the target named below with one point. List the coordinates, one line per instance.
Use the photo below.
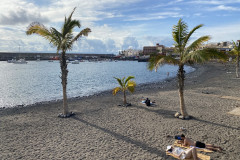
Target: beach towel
(198, 149)
(151, 103)
(200, 156)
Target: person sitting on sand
(183, 154)
(148, 103)
(188, 142)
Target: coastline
(142, 86)
(103, 130)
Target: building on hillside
(221, 46)
(131, 52)
(170, 51)
(159, 49)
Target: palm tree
(124, 86)
(64, 41)
(188, 54)
(236, 52)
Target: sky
(116, 24)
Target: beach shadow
(163, 112)
(213, 123)
(87, 112)
(125, 138)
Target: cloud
(153, 40)
(214, 2)
(209, 2)
(153, 16)
(111, 46)
(21, 16)
(223, 8)
(222, 32)
(130, 42)
(114, 24)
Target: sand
(103, 130)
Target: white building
(131, 52)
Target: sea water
(25, 84)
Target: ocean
(25, 84)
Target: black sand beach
(103, 130)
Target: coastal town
(128, 54)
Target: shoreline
(103, 130)
(142, 86)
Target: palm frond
(157, 60)
(38, 28)
(235, 50)
(51, 35)
(131, 86)
(196, 44)
(68, 28)
(129, 78)
(186, 39)
(56, 37)
(115, 90)
(179, 32)
(119, 81)
(206, 54)
(69, 24)
(84, 32)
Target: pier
(4, 56)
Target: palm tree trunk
(237, 66)
(181, 76)
(64, 71)
(124, 98)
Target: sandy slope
(103, 130)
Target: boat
(50, 60)
(144, 58)
(20, 61)
(12, 61)
(75, 62)
(38, 60)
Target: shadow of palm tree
(125, 138)
(163, 112)
(213, 123)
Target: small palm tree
(64, 41)
(236, 52)
(188, 54)
(124, 86)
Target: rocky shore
(103, 130)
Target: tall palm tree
(64, 41)
(188, 54)
(124, 86)
(236, 52)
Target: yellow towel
(198, 149)
(200, 156)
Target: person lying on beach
(183, 154)
(188, 142)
